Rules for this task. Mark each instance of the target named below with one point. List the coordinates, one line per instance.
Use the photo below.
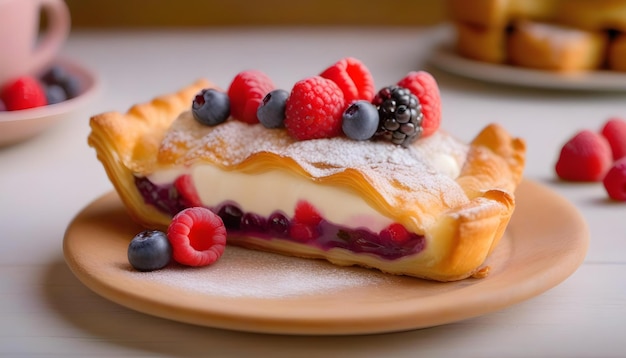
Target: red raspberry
(22, 93)
(187, 190)
(197, 236)
(585, 157)
(306, 213)
(246, 93)
(395, 232)
(353, 78)
(614, 131)
(303, 232)
(314, 109)
(423, 85)
(615, 180)
(304, 226)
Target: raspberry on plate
(614, 130)
(198, 237)
(615, 180)
(23, 93)
(424, 86)
(585, 157)
(314, 109)
(246, 92)
(353, 78)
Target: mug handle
(55, 34)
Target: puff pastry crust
(459, 233)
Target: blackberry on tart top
(400, 115)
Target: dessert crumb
(482, 272)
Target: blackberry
(400, 115)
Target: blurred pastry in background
(554, 47)
(553, 35)
(617, 53)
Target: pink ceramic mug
(23, 50)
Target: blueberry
(253, 223)
(72, 86)
(149, 250)
(360, 120)
(211, 107)
(231, 216)
(278, 224)
(55, 94)
(55, 75)
(271, 112)
(58, 76)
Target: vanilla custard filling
(264, 193)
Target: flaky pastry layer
(460, 233)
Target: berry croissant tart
(331, 169)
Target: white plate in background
(445, 58)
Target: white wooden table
(45, 310)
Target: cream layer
(264, 193)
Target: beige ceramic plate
(261, 292)
(445, 58)
(17, 126)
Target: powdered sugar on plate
(254, 274)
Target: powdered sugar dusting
(248, 273)
(404, 177)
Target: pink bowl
(17, 126)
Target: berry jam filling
(307, 226)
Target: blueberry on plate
(360, 120)
(211, 107)
(149, 250)
(271, 112)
